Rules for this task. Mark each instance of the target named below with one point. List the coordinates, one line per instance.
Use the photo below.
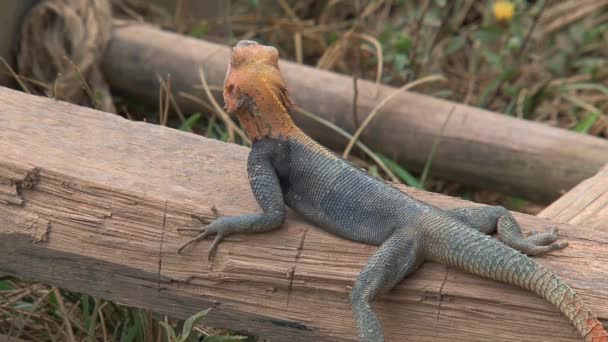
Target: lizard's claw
(208, 229)
(204, 233)
(546, 238)
(205, 220)
(556, 246)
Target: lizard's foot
(544, 238)
(210, 226)
(545, 242)
(534, 249)
(536, 243)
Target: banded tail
(481, 255)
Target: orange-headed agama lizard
(285, 166)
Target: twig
(66, 319)
(381, 104)
(164, 104)
(429, 159)
(15, 75)
(85, 84)
(348, 136)
(415, 33)
(91, 332)
(232, 127)
(444, 23)
(356, 61)
(174, 104)
(178, 18)
(379, 57)
(102, 322)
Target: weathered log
(478, 147)
(585, 205)
(91, 202)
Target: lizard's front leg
(266, 190)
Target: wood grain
(585, 205)
(92, 203)
(478, 147)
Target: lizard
(287, 168)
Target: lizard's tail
(481, 255)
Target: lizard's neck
(269, 124)
(267, 113)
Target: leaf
(403, 43)
(132, 333)
(587, 86)
(373, 171)
(455, 45)
(401, 62)
(585, 125)
(534, 100)
(400, 172)
(191, 322)
(200, 30)
(5, 286)
(494, 58)
(515, 203)
(168, 330)
(86, 311)
(190, 122)
(506, 75)
(487, 34)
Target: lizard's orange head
(254, 79)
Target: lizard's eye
(230, 89)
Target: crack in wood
(11, 190)
(292, 270)
(160, 249)
(445, 279)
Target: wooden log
(585, 205)
(91, 202)
(478, 147)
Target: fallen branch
(478, 147)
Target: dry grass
(547, 64)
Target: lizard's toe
(544, 238)
(558, 245)
(204, 233)
(207, 220)
(214, 245)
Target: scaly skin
(287, 167)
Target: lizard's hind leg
(510, 234)
(396, 258)
(489, 219)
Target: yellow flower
(503, 10)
